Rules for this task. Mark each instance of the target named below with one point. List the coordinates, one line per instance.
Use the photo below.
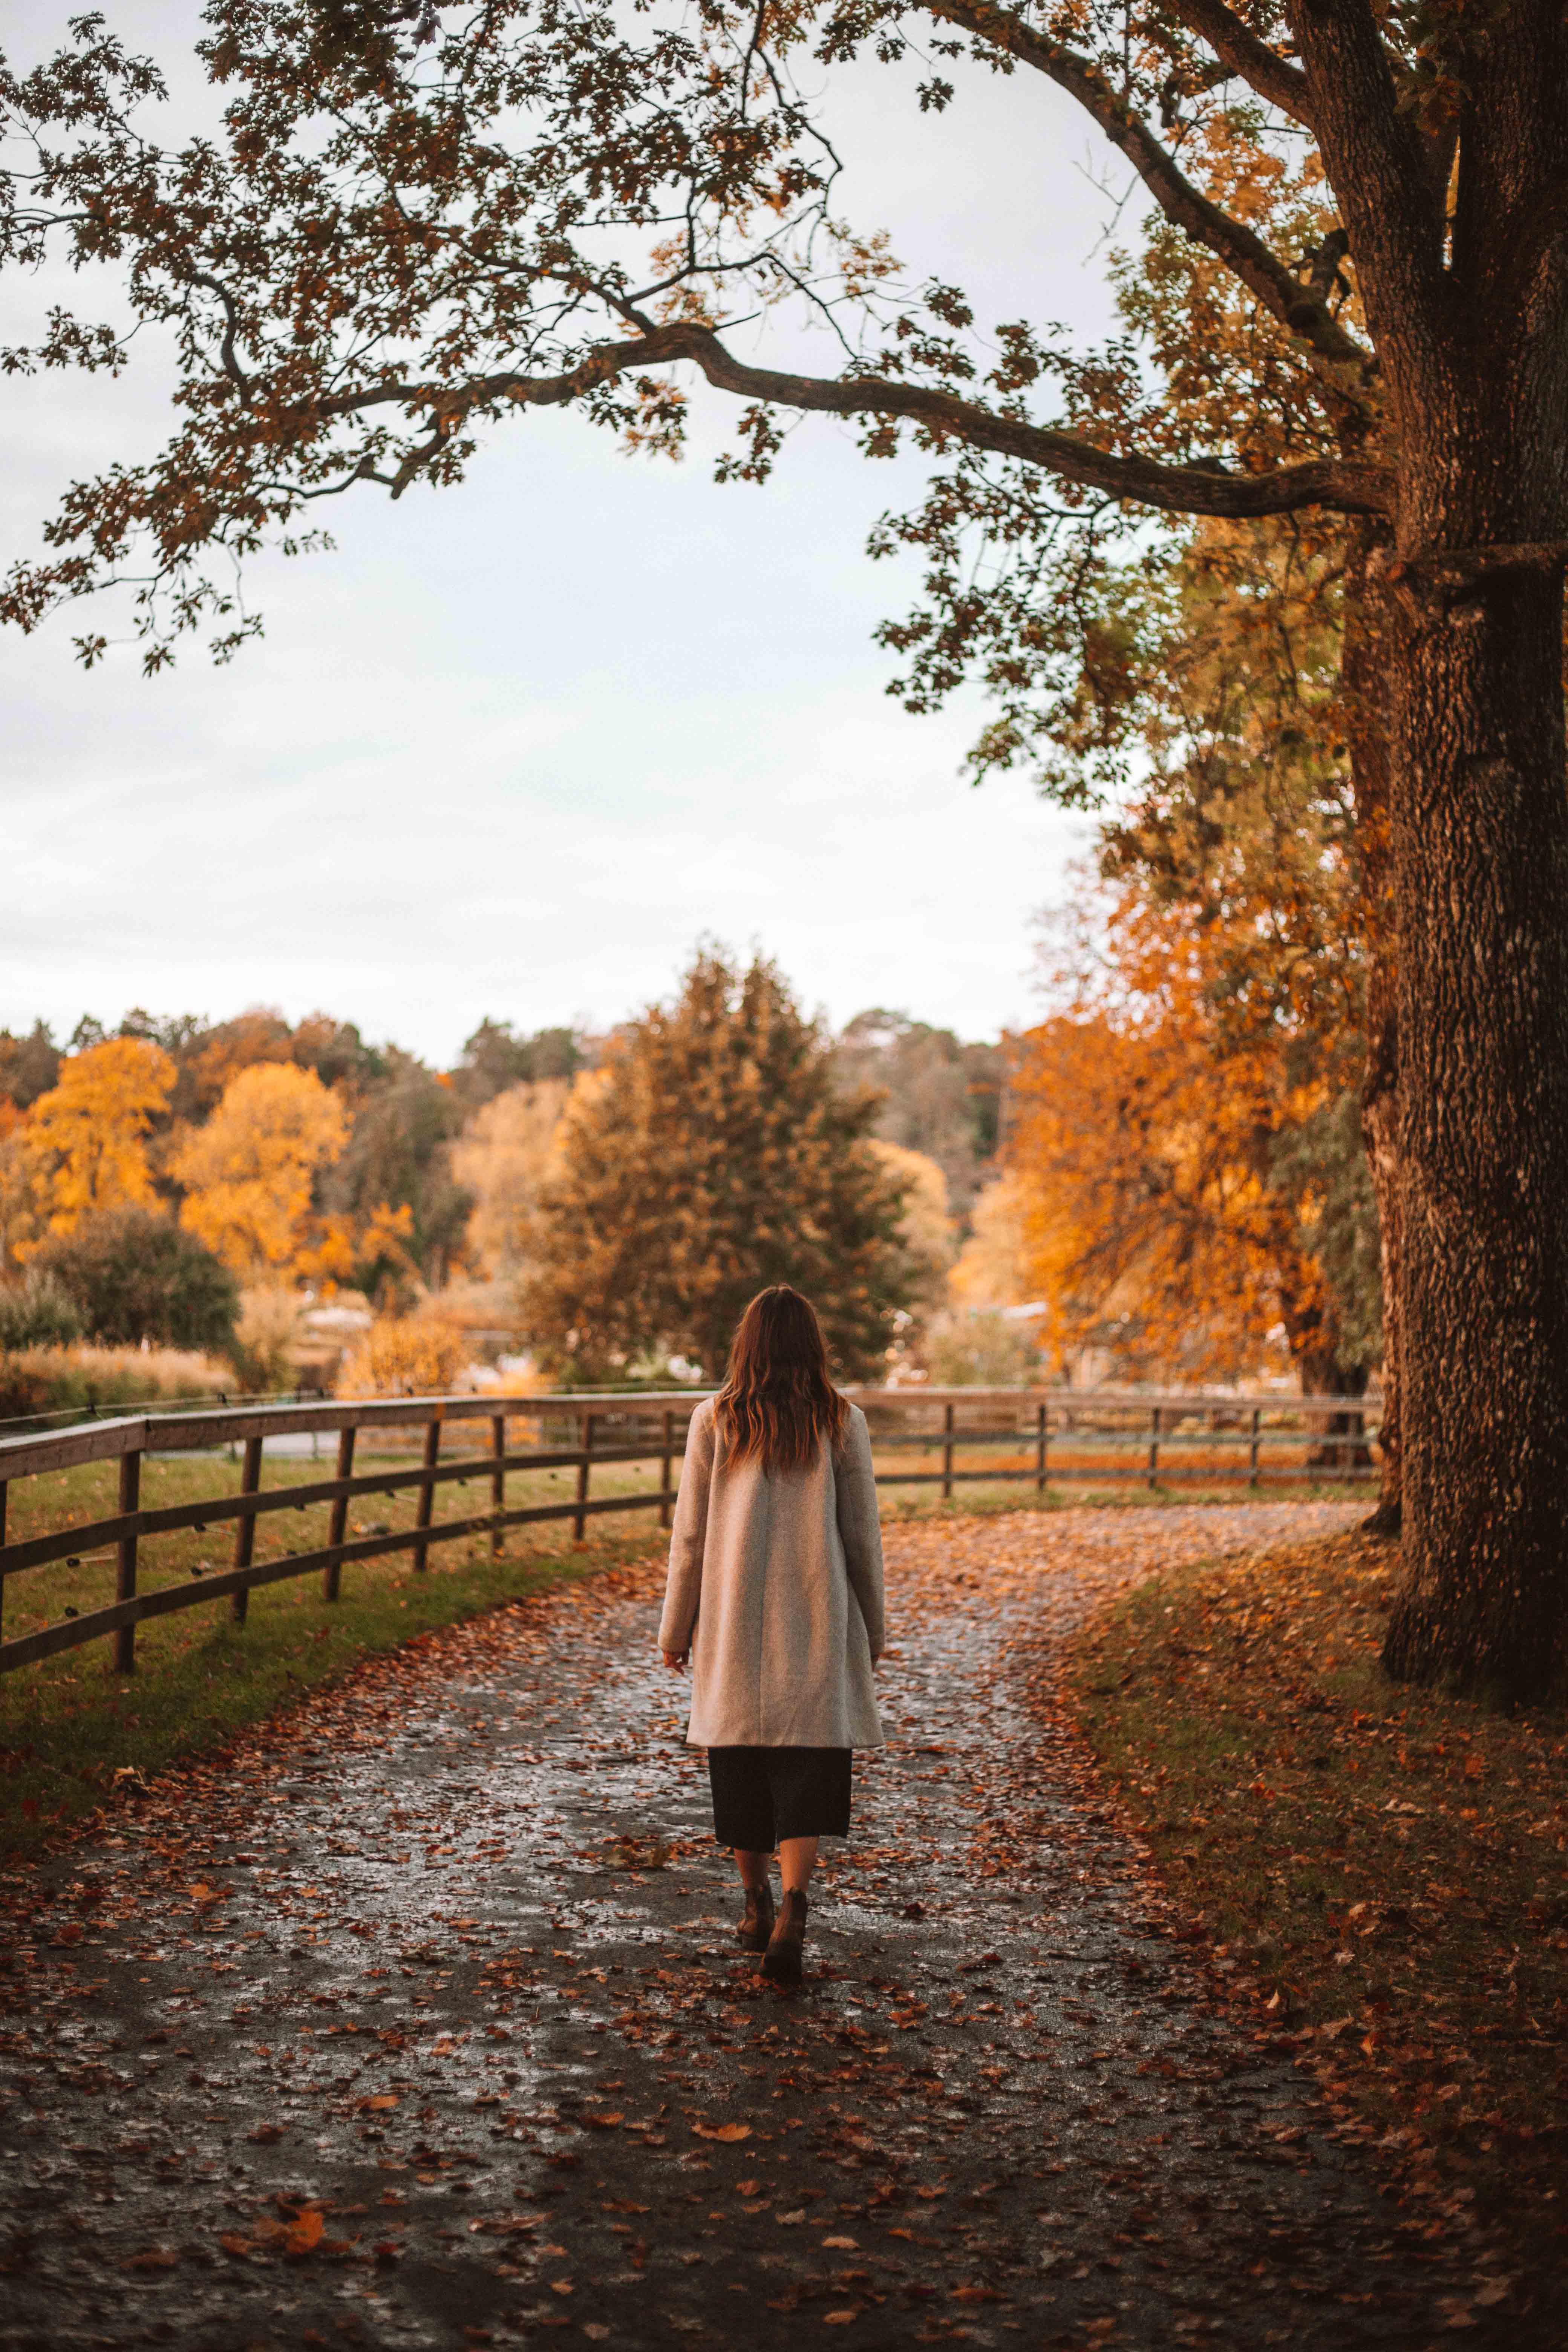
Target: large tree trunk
(1368, 659)
(1480, 840)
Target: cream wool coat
(775, 1584)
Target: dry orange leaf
(851, 2243)
(304, 2234)
(730, 2132)
(383, 2099)
(605, 2122)
(838, 2318)
(156, 2258)
(562, 2287)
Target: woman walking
(775, 1593)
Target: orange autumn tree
(250, 1173)
(1169, 1159)
(87, 1137)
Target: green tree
(712, 1153)
(134, 1276)
(495, 1059)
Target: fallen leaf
(562, 2287)
(850, 2244)
(838, 2318)
(265, 2134)
(304, 2234)
(381, 2101)
(156, 2258)
(729, 2132)
(603, 2123)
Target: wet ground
(419, 2022)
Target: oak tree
(419, 225)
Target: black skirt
(763, 1794)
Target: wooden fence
(1060, 1436)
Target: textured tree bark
(1480, 841)
(1369, 657)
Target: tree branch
(1240, 248)
(1252, 60)
(1377, 162)
(1346, 488)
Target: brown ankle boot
(757, 1923)
(781, 1961)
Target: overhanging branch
(1345, 487)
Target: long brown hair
(777, 1401)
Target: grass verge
(1383, 1869)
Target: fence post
(498, 1478)
(125, 1577)
(1154, 1446)
(580, 1523)
(947, 1454)
(332, 1575)
(664, 1474)
(1040, 1450)
(1252, 1470)
(245, 1533)
(426, 1492)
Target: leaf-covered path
(417, 2022)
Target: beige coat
(775, 1583)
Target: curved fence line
(1051, 1436)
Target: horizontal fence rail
(1051, 1437)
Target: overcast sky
(512, 748)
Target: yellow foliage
(501, 1158)
(993, 1266)
(87, 1138)
(249, 1172)
(412, 1355)
(925, 1228)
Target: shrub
(38, 1312)
(983, 1352)
(262, 1347)
(134, 1276)
(86, 1379)
(414, 1355)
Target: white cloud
(512, 748)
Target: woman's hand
(676, 1660)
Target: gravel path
(416, 2023)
